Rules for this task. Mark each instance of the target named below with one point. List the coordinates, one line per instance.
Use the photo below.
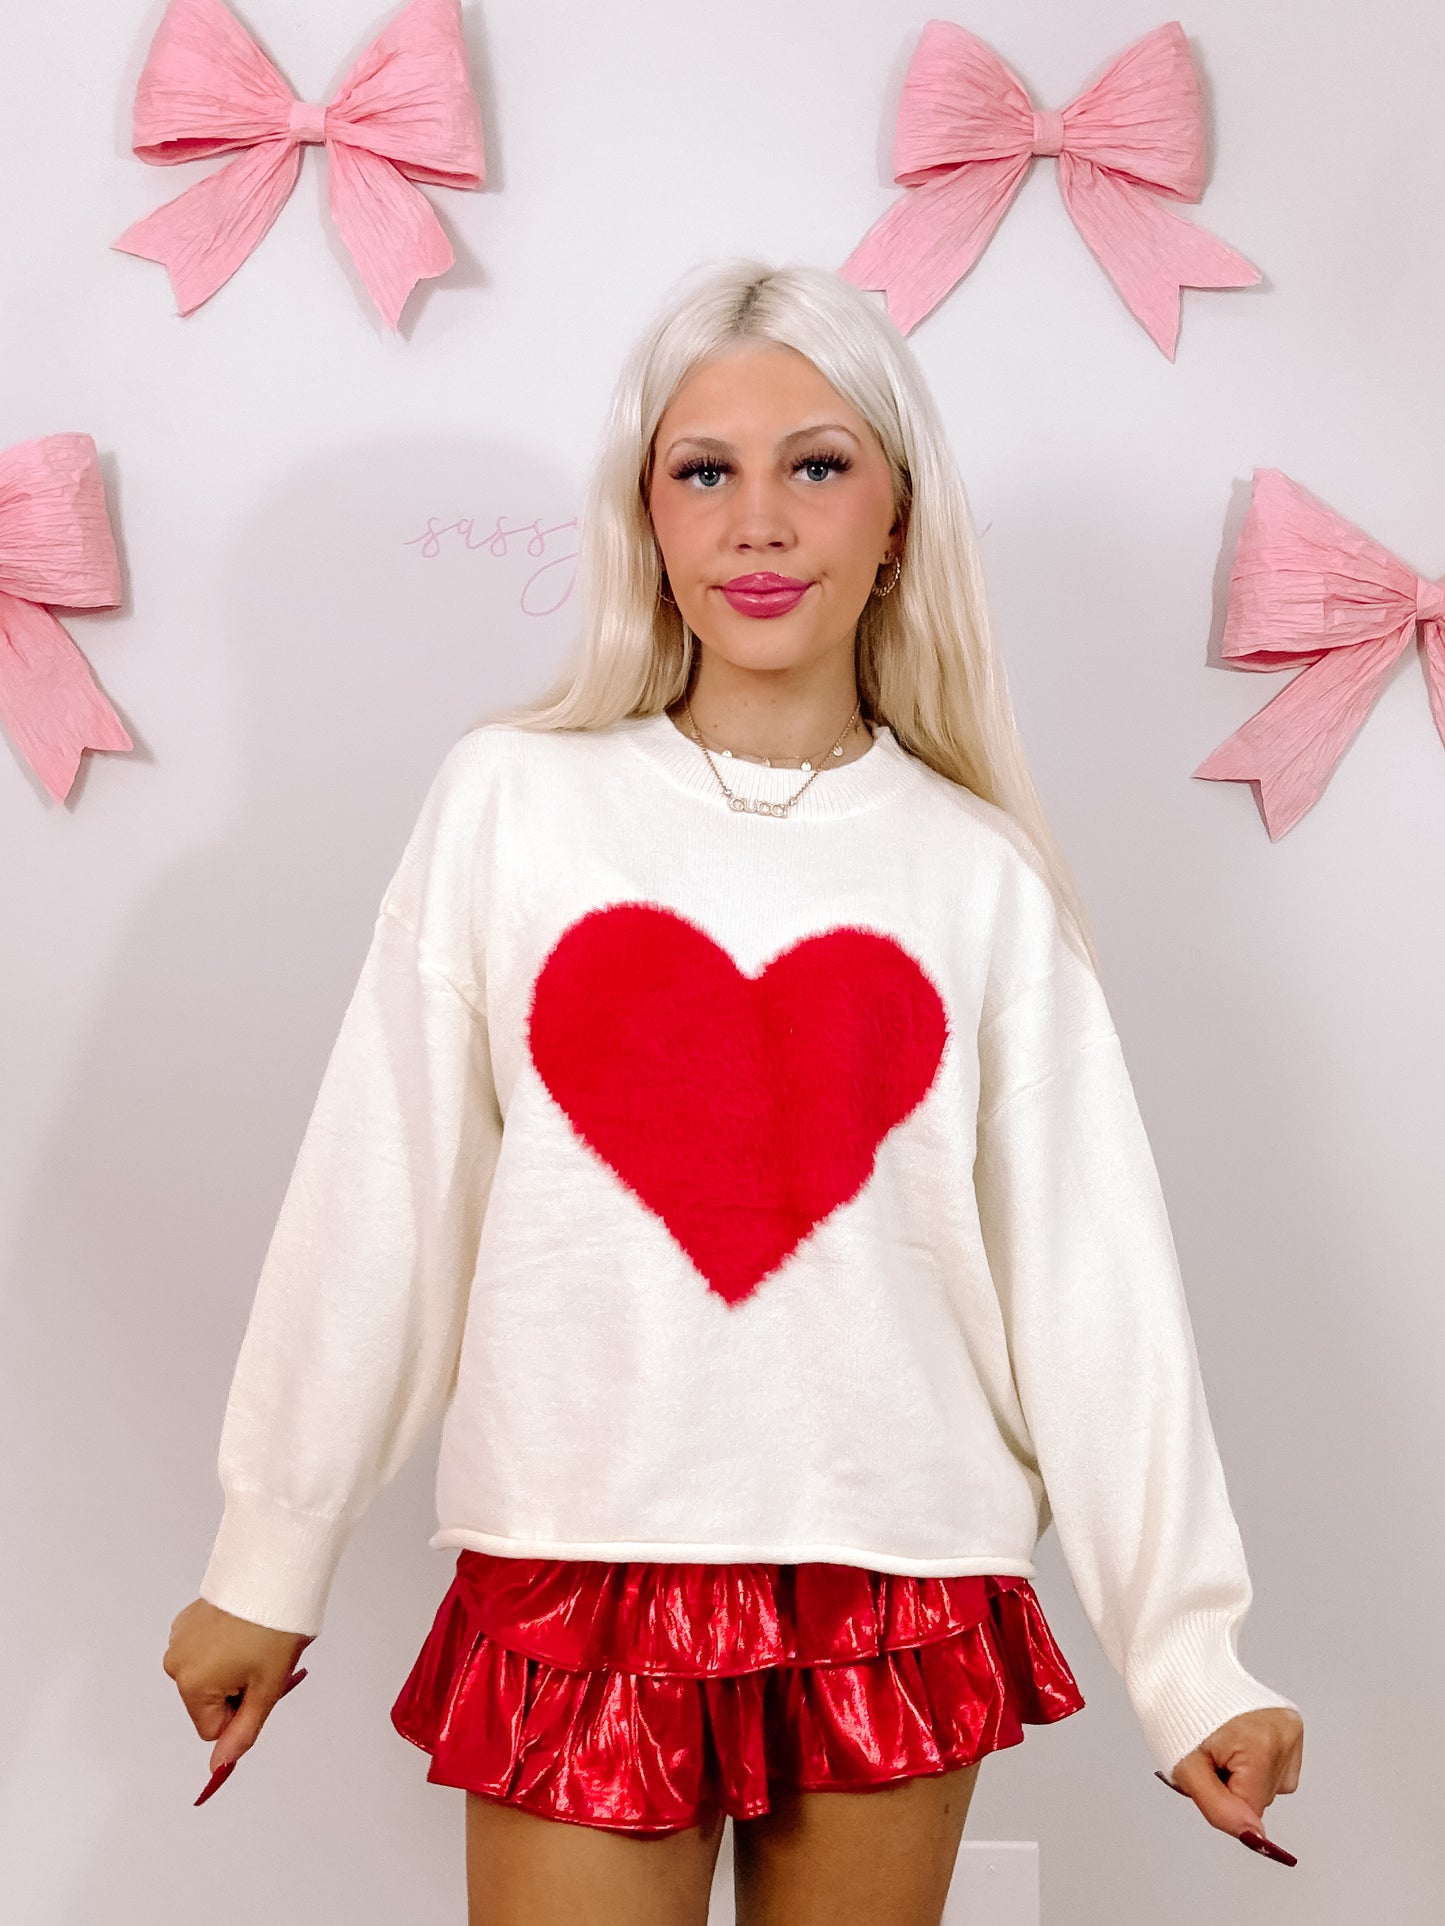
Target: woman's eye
(699, 467)
(830, 465)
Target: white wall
(180, 938)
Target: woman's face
(762, 469)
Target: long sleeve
(1084, 1262)
(354, 1334)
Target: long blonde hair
(925, 661)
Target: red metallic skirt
(645, 1697)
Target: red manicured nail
(217, 1779)
(1171, 1785)
(223, 1772)
(1258, 1843)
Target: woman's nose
(760, 516)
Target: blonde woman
(729, 1135)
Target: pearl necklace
(759, 806)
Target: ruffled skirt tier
(646, 1697)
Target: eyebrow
(798, 434)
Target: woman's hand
(1235, 1773)
(215, 1657)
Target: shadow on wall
(357, 661)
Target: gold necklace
(758, 806)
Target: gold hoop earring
(893, 583)
(670, 600)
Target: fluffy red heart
(742, 1110)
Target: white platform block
(995, 1883)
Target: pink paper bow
(56, 547)
(405, 113)
(967, 134)
(1308, 586)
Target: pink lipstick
(764, 594)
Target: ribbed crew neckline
(870, 779)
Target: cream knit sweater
(736, 1188)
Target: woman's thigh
(527, 1870)
(880, 1857)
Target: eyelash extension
(824, 458)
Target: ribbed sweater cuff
(272, 1564)
(1191, 1683)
